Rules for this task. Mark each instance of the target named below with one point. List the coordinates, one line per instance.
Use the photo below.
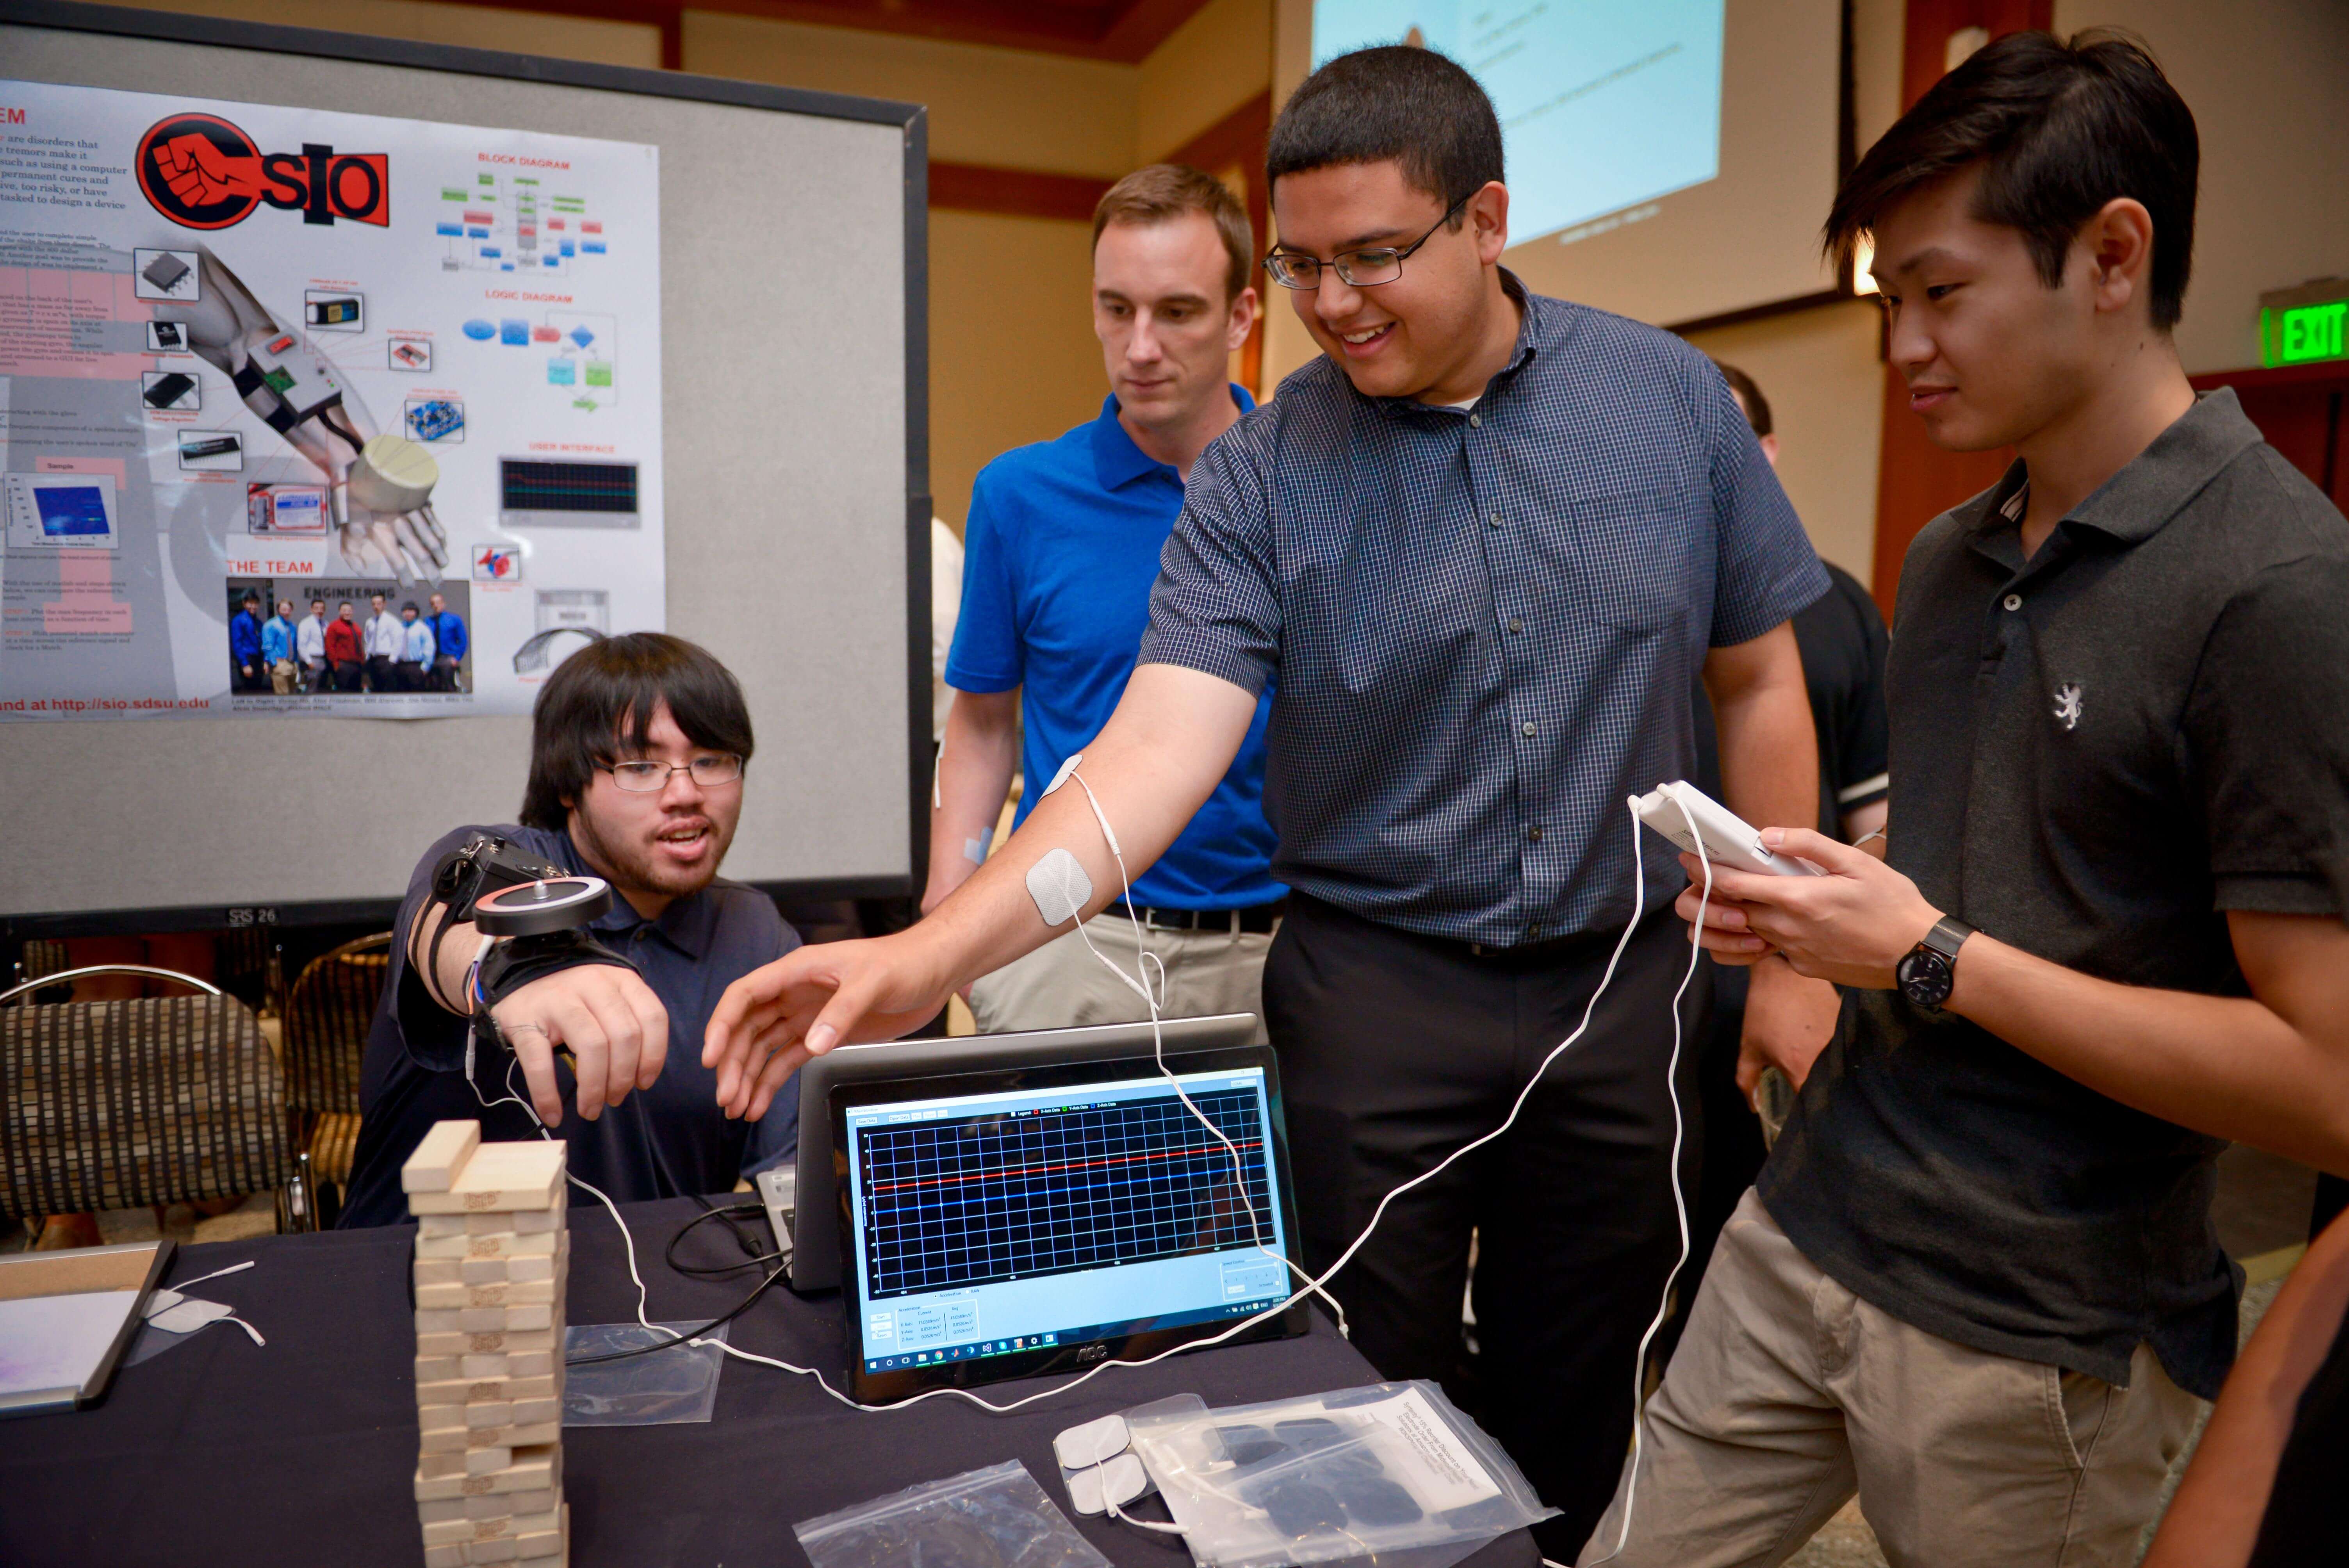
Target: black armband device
(536, 915)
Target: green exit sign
(2305, 325)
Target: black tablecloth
(219, 1453)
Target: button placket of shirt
(1503, 556)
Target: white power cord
(1316, 1285)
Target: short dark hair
(410, 604)
(1397, 104)
(251, 599)
(2059, 129)
(598, 704)
(317, 600)
(1161, 192)
(1757, 406)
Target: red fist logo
(201, 175)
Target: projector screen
(1667, 160)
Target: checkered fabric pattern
(1486, 625)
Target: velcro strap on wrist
(515, 963)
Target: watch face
(1926, 978)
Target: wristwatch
(1929, 971)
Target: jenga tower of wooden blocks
(492, 1261)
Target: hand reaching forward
(807, 1001)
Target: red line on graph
(1072, 1165)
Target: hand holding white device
(1670, 809)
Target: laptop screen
(996, 1223)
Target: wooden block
(529, 1269)
(437, 1297)
(485, 1462)
(505, 1244)
(444, 1557)
(546, 1545)
(531, 1221)
(490, 1413)
(510, 1340)
(481, 1319)
(486, 1271)
(441, 1158)
(503, 1550)
(538, 1315)
(545, 1386)
(538, 1468)
(437, 1271)
(436, 1368)
(506, 1504)
(437, 1343)
(448, 1533)
(500, 1178)
(440, 1415)
(532, 1363)
(441, 1442)
(435, 1226)
(438, 1510)
(478, 1366)
(530, 1412)
(449, 1391)
(438, 1320)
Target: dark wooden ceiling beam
(1122, 31)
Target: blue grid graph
(955, 1204)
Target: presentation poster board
(313, 412)
(749, 345)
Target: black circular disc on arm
(533, 909)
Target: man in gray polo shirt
(1977, 1280)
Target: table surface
(217, 1451)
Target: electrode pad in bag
(1358, 1473)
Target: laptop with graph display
(1018, 1222)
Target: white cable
(1158, 1044)
(1315, 1286)
(1680, 1206)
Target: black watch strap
(1948, 935)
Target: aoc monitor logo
(203, 172)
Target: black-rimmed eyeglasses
(712, 771)
(1357, 269)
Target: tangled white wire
(1315, 1285)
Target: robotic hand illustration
(381, 484)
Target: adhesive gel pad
(1060, 886)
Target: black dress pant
(1396, 1050)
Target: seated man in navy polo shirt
(1063, 544)
(637, 748)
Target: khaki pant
(283, 678)
(1060, 984)
(1788, 1393)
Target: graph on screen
(1604, 104)
(966, 1203)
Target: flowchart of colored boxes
(492, 1257)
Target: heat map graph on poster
(309, 412)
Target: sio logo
(202, 172)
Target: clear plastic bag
(665, 1388)
(1393, 1471)
(992, 1517)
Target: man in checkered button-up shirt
(1484, 544)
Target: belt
(1257, 919)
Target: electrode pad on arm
(1728, 839)
(1060, 886)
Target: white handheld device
(1728, 841)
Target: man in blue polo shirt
(1063, 543)
(448, 645)
(1485, 544)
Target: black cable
(711, 1212)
